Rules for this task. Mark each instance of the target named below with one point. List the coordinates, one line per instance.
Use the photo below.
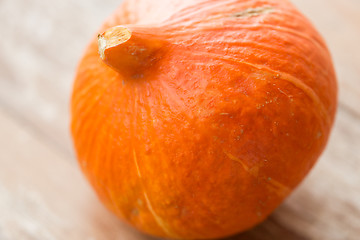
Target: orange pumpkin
(199, 117)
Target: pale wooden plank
(44, 197)
(35, 82)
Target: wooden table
(43, 195)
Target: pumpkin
(195, 119)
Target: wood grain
(42, 192)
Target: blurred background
(43, 195)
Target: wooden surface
(43, 195)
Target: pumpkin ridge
(92, 126)
(277, 74)
(269, 49)
(152, 130)
(300, 85)
(83, 90)
(280, 188)
(160, 222)
(81, 125)
(83, 96)
(86, 111)
(190, 30)
(183, 15)
(156, 217)
(100, 125)
(165, 86)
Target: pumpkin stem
(129, 51)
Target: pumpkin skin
(209, 139)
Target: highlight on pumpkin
(128, 51)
